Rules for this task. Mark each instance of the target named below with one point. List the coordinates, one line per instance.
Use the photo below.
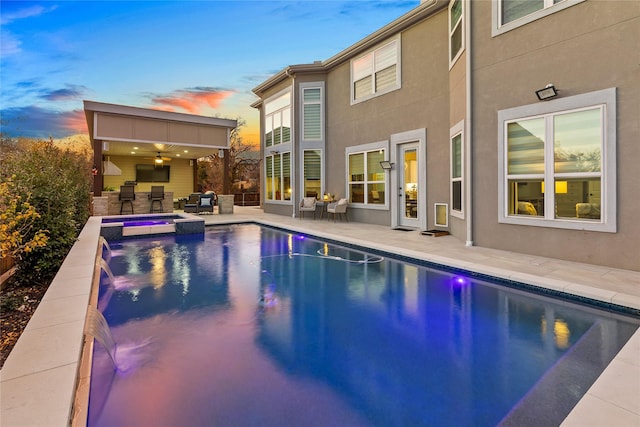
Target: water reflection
(351, 338)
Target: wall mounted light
(386, 165)
(548, 92)
(561, 187)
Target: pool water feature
(121, 226)
(248, 325)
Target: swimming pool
(247, 325)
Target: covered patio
(146, 148)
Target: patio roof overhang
(120, 130)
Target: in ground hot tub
(121, 226)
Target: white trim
(416, 135)
(498, 28)
(458, 129)
(605, 98)
(374, 94)
(303, 87)
(461, 24)
(435, 215)
(367, 148)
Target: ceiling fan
(159, 159)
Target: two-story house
(511, 124)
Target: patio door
(409, 203)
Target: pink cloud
(74, 121)
(191, 100)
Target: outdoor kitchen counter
(109, 203)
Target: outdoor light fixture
(548, 92)
(386, 165)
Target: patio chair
(206, 203)
(127, 195)
(191, 206)
(338, 208)
(308, 204)
(156, 196)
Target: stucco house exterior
(510, 124)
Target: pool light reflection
(460, 281)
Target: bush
(59, 182)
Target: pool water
(247, 325)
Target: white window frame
(273, 154)
(452, 29)
(498, 28)
(608, 219)
(279, 113)
(374, 94)
(367, 148)
(303, 88)
(456, 130)
(302, 173)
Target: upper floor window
(277, 120)
(312, 114)
(376, 72)
(510, 14)
(559, 164)
(456, 37)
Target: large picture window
(277, 120)
(377, 72)
(366, 178)
(559, 165)
(278, 176)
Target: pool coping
(43, 380)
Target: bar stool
(156, 196)
(127, 195)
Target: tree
(243, 166)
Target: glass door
(408, 200)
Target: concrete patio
(39, 377)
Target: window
(457, 162)
(559, 164)
(366, 178)
(376, 72)
(312, 172)
(278, 176)
(277, 120)
(311, 114)
(510, 14)
(456, 37)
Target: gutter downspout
(468, 128)
(293, 165)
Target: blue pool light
(460, 281)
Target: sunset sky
(200, 57)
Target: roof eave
(410, 18)
(101, 107)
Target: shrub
(59, 182)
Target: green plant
(59, 182)
(17, 217)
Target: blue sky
(200, 57)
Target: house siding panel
(581, 49)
